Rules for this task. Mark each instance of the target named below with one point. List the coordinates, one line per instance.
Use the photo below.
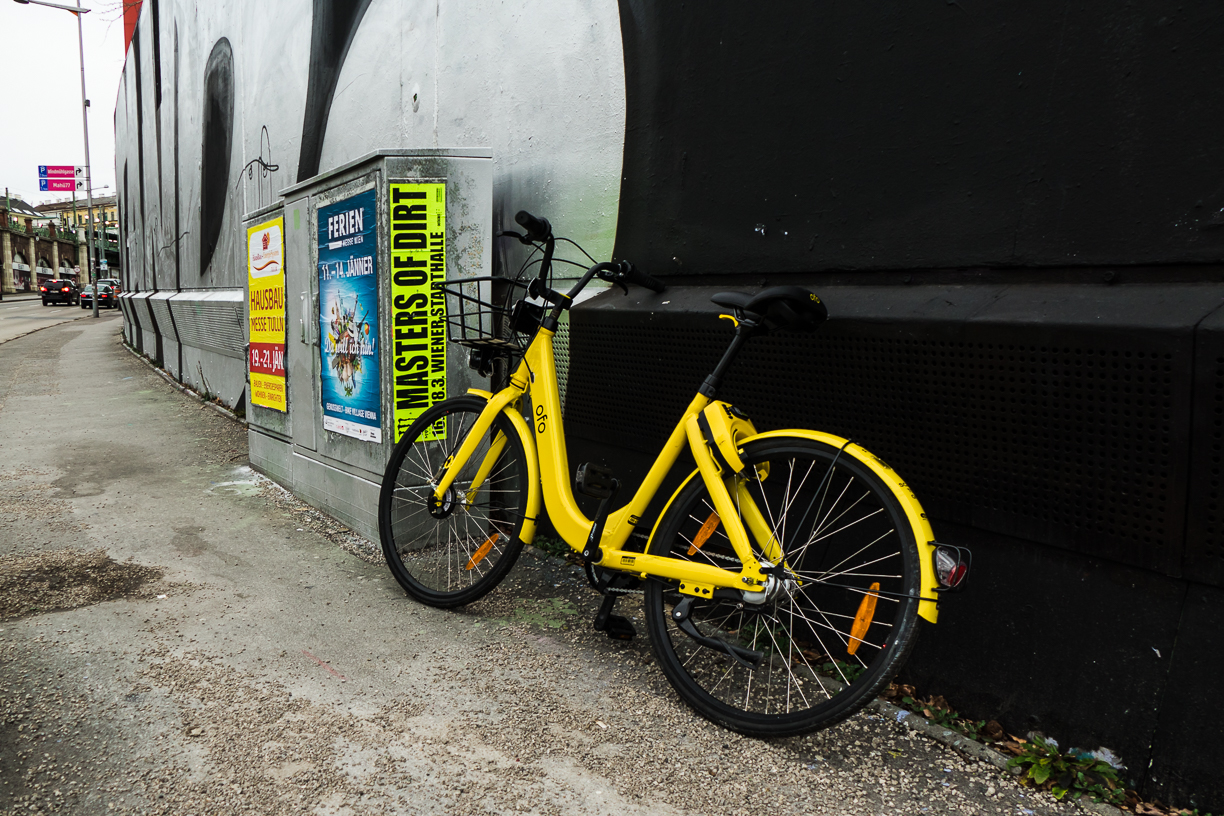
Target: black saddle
(778, 308)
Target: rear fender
(923, 535)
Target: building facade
(34, 248)
(1015, 221)
(73, 214)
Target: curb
(187, 390)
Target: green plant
(937, 710)
(552, 546)
(840, 668)
(1044, 766)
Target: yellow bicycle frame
(549, 478)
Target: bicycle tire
(809, 677)
(461, 549)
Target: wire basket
(478, 311)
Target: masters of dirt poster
(348, 317)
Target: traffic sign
(61, 171)
(103, 261)
(50, 185)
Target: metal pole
(89, 249)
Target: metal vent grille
(1204, 536)
(561, 353)
(1212, 540)
(160, 306)
(1068, 444)
(214, 325)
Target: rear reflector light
(951, 565)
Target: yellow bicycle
(784, 578)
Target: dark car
(59, 291)
(106, 297)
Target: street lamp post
(89, 246)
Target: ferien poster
(266, 313)
(348, 317)
(418, 311)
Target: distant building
(76, 212)
(35, 246)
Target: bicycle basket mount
(487, 312)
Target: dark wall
(1069, 435)
(908, 135)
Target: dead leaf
(992, 730)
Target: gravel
(269, 671)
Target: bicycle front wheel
(842, 617)
(451, 552)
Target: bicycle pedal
(619, 628)
(595, 481)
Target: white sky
(40, 105)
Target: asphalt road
(22, 314)
(230, 655)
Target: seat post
(713, 382)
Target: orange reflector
(862, 620)
(703, 535)
(488, 545)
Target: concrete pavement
(244, 663)
(23, 313)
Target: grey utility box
(352, 345)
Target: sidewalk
(246, 663)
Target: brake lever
(523, 239)
(616, 278)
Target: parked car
(59, 291)
(113, 283)
(106, 297)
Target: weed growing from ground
(1045, 766)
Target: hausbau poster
(348, 318)
(266, 313)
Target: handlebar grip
(635, 275)
(537, 229)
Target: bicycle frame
(548, 472)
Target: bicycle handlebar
(537, 229)
(635, 275)
(617, 272)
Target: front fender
(534, 496)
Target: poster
(266, 313)
(348, 318)
(418, 311)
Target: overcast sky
(40, 106)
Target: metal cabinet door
(301, 292)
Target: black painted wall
(218, 128)
(966, 183)
(886, 135)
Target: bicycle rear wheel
(452, 552)
(839, 626)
